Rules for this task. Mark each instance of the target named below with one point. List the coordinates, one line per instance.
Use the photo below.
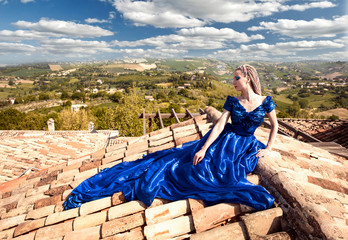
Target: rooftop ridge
(309, 185)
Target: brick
(190, 138)
(184, 129)
(59, 207)
(125, 209)
(66, 193)
(10, 206)
(109, 165)
(54, 231)
(84, 234)
(95, 206)
(41, 212)
(98, 155)
(47, 201)
(57, 190)
(132, 235)
(62, 216)
(118, 198)
(29, 226)
(208, 217)
(167, 211)
(160, 136)
(29, 236)
(22, 189)
(160, 131)
(235, 231)
(7, 234)
(134, 157)
(73, 166)
(254, 179)
(11, 222)
(169, 229)
(36, 191)
(68, 174)
(86, 174)
(327, 184)
(44, 181)
(11, 199)
(122, 224)
(62, 182)
(116, 147)
(89, 166)
(114, 157)
(182, 124)
(264, 222)
(162, 147)
(90, 220)
(195, 204)
(6, 195)
(31, 200)
(18, 211)
(136, 148)
(37, 174)
(161, 141)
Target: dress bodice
(245, 123)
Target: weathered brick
(132, 235)
(137, 148)
(122, 224)
(11, 222)
(29, 226)
(264, 222)
(84, 234)
(54, 231)
(116, 147)
(10, 206)
(35, 191)
(182, 124)
(125, 209)
(327, 184)
(29, 236)
(68, 174)
(118, 198)
(76, 165)
(98, 155)
(47, 201)
(44, 181)
(162, 147)
(62, 216)
(179, 141)
(235, 231)
(89, 166)
(114, 157)
(160, 131)
(41, 212)
(90, 220)
(94, 206)
(134, 157)
(57, 190)
(162, 141)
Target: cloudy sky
(85, 30)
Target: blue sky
(87, 30)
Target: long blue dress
(169, 174)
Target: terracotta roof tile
(315, 207)
(92, 233)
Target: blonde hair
(254, 77)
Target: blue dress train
(169, 174)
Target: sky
(233, 30)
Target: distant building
(76, 107)
(95, 90)
(99, 81)
(150, 98)
(12, 100)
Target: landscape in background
(112, 93)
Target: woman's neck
(248, 94)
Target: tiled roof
(309, 185)
(26, 151)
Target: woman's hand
(198, 157)
(263, 152)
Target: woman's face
(240, 81)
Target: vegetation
(116, 95)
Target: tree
(68, 120)
(116, 97)
(65, 95)
(11, 82)
(303, 103)
(10, 119)
(44, 96)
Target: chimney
(50, 124)
(90, 126)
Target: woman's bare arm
(212, 137)
(272, 135)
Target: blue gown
(169, 174)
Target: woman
(212, 169)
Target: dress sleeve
(269, 104)
(228, 104)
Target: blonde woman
(212, 169)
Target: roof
(25, 151)
(309, 185)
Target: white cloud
(27, 1)
(303, 7)
(315, 28)
(214, 33)
(264, 51)
(193, 13)
(157, 52)
(13, 48)
(112, 15)
(70, 47)
(20, 35)
(3, 2)
(64, 28)
(95, 20)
